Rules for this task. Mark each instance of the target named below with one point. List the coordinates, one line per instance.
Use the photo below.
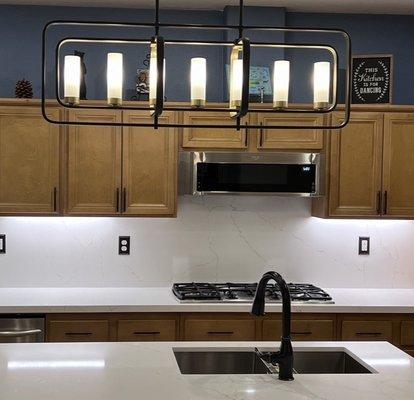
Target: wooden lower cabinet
(78, 331)
(218, 327)
(147, 330)
(367, 331)
(397, 329)
(301, 329)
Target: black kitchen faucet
(284, 357)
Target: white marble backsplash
(219, 238)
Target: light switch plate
(124, 245)
(2, 244)
(363, 246)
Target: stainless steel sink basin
(247, 362)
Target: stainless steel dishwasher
(22, 329)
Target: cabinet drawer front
(367, 330)
(407, 332)
(146, 330)
(78, 331)
(219, 330)
(301, 330)
(225, 138)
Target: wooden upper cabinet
(310, 139)
(150, 158)
(228, 138)
(398, 167)
(29, 161)
(355, 166)
(93, 164)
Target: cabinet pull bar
(124, 200)
(147, 333)
(54, 199)
(246, 137)
(117, 199)
(78, 333)
(20, 333)
(301, 333)
(379, 197)
(385, 202)
(368, 333)
(220, 332)
(261, 135)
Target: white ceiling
(346, 6)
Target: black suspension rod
(240, 19)
(157, 17)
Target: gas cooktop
(244, 292)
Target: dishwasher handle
(28, 332)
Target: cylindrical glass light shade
(72, 79)
(114, 77)
(153, 78)
(236, 83)
(281, 76)
(198, 81)
(321, 84)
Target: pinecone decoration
(24, 89)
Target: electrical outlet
(2, 244)
(363, 247)
(124, 244)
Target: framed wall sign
(372, 78)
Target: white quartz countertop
(131, 371)
(161, 299)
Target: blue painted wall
(20, 47)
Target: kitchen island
(131, 371)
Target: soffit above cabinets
(339, 6)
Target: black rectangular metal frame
(159, 41)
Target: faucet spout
(284, 357)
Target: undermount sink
(248, 362)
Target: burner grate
(195, 291)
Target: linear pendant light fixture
(325, 73)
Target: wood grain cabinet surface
(207, 138)
(301, 330)
(149, 166)
(355, 166)
(93, 164)
(147, 330)
(286, 139)
(367, 330)
(78, 331)
(217, 329)
(398, 167)
(29, 162)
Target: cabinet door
(302, 330)
(29, 161)
(93, 164)
(355, 166)
(78, 331)
(205, 138)
(150, 158)
(219, 329)
(398, 170)
(149, 330)
(311, 139)
(367, 331)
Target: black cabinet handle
(117, 200)
(54, 199)
(379, 197)
(147, 333)
(78, 333)
(261, 135)
(302, 333)
(368, 333)
(385, 202)
(220, 332)
(246, 137)
(124, 200)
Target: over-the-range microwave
(295, 174)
